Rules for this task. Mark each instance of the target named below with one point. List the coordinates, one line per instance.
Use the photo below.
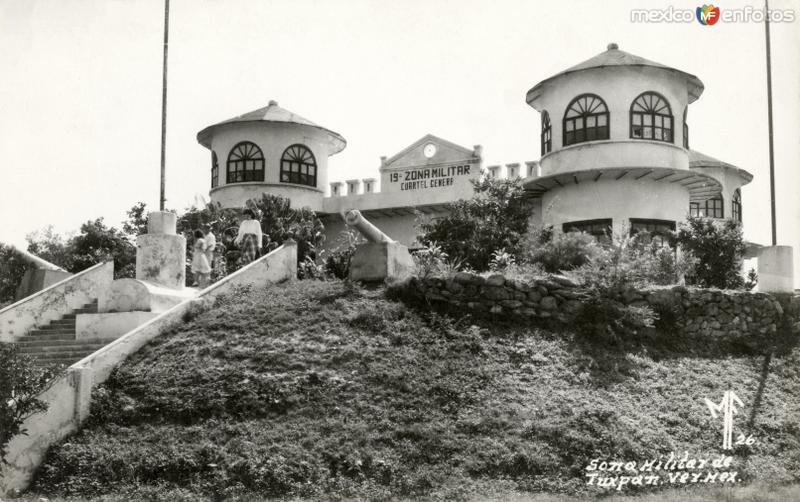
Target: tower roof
(273, 113)
(613, 56)
(699, 160)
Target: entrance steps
(57, 342)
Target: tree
(12, 268)
(718, 247)
(495, 218)
(136, 224)
(97, 243)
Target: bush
(560, 252)
(21, 381)
(718, 247)
(496, 218)
(337, 263)
(432, 261)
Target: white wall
(619, 200)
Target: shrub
(21, 381)
(495, 218)
(501, 260)
(432, 261)
(718, 247)
(556, 253)
(337, 263)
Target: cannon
(39, 275)
(368, 230)
(380, 258)
(35, 261)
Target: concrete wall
(616, 153)
(273, 139)
(55, 301)
(70, 395)
(619, 200)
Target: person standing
(211, 244)
(200, 267)
(249, 238)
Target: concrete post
(776, 269)
(161, 254)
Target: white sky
(80, 90)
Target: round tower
(269, 150)
(615, 146)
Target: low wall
(70, 396)
(709, 313)
(48, 304)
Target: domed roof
(615, 57)
(273, 113)
(699, 160)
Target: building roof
(615, 57)
(273, 113)
(699, 160)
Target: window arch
(299, 166)
(737, 205)
(651, 118)
(586, 119)
(685, 128)
(547, 133)
(711, 208)
(245, 163)
(214, 169)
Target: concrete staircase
(56, 343)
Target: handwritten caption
(673, 470)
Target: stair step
(35, 344)
(54, 331)
(32, 337)
(74, 347)
(64, 353)
(56, 326)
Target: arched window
(685, 128)
(586, 119)
(299, 166)
(245, 163)
(737, 205)
(547, 138)
(651, 118)
(214, 169)
(711, 208)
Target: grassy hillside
(321, 390)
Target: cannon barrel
(368, 230)
(36, 261)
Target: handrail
(47, 289)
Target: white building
(614, 145)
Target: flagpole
(769, 114)
(164, 105)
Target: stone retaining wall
(691, 311)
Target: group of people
(249, 239)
